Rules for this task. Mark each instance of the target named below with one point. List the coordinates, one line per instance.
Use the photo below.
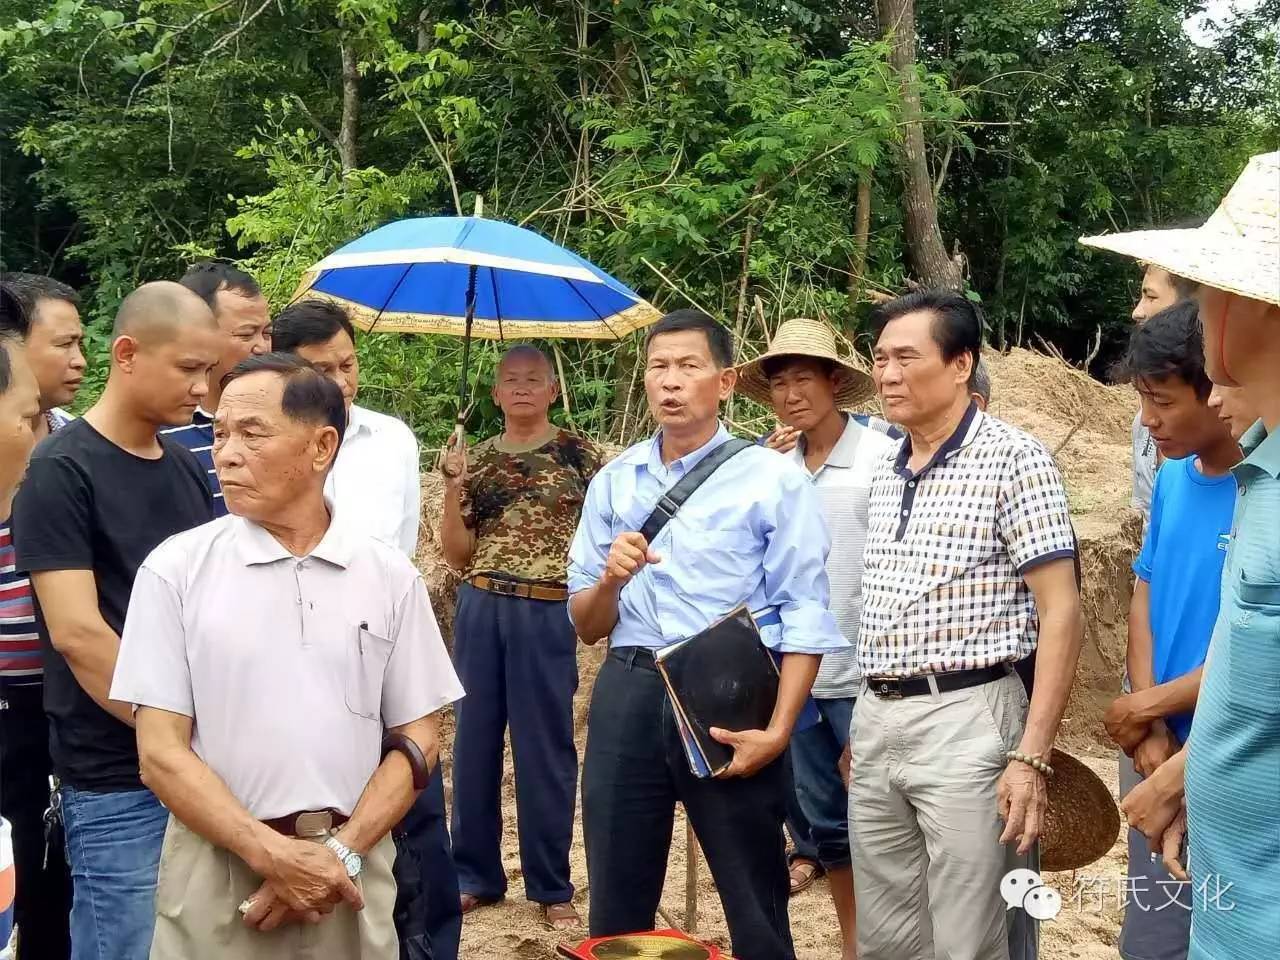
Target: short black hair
(206, 278)
(27, 290)
(308, 322)
(719, 339)
(957, 321)
(1170, 344)
(772, 366)
(309, 396)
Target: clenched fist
(627, 557)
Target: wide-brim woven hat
(802, 337)
(1236, 250)
(1083, 822)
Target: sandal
(469, 902)
(803, 874)
(560, 916)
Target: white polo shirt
(291, 667)
(374, 482)
(844, 486)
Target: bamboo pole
(690, 878)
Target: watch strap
(413, 753)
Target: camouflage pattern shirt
(523, 503)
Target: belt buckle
(503, 588)
(313, 823)
(886, 688)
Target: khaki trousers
(201, 886)
(923, 821)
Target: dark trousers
(634, 773)
(42, 907)
(517, 660)
(427, 914)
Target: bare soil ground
(1086, 425)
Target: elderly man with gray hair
(289, 731)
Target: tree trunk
(861, 237)
(350, 125)
(925, 250)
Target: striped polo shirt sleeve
(19, 642)
(197, 437)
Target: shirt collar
(843, 453)
(964, 432)
(358, 421)
(257, 546)
(1261, 450)
(653, 455)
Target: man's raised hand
(629, 555)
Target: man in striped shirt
(806, 381)
(244, 322)
(48, 322)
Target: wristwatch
(351, 861)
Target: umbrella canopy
(414, 276)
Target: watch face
(354, 864)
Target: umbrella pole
(460, 429)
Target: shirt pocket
(1253, 655)
(367, 657)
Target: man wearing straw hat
(1232, 759)
(806, 381)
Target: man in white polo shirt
(969, 568)
(375, 481)
(374, 485)
(806, 381)
(261, 722)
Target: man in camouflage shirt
(509, 516)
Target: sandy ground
(1086, 426)
(1086, 929)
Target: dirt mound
(1086, 424)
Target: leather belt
(896, 688)
(307, 823)
(518, 588)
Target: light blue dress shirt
(753, 533)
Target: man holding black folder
(750, 533)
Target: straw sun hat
(1236, 250)
(808, 338)
(1083, 822)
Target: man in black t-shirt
(101, 493)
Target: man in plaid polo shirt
(969, 568)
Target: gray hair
(528, 351)
(980, 381)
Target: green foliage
(720, 142)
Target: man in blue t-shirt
(1175, 598)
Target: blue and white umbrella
(414, 276)
(472, 277)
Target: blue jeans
(113, 845)
(823, 800)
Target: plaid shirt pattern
(947, 548)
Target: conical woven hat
(1236, 250)
(808, 338)
(1083, 822)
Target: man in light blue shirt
(752, 533)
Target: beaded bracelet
(1034, 762)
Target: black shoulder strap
(671, 501)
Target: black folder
(722, 677)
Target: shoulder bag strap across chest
(669, 503)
